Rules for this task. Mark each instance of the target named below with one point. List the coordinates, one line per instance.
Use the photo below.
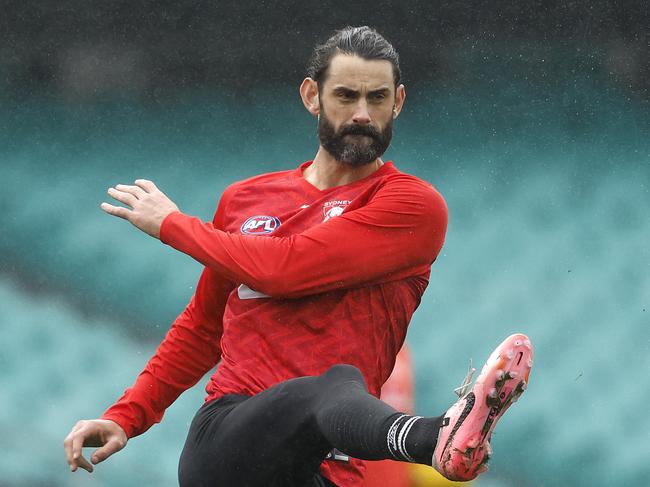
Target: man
(311, 277)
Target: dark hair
(364, 42)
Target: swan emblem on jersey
(334, 208)
(260, 225)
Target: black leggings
(279, 437)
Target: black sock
(413, 438)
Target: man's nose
(361, 114)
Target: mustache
(356, 129)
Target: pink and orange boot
(463, 447)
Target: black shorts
(268, 440)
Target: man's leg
(280, 436)
(457, 444)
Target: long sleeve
(190, 348)
(188, 351)
(398, 233)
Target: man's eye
(377, 96)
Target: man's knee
(343, 373)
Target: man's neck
(326, 172)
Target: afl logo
(260, 224)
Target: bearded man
(311, 278)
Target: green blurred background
(531, 119)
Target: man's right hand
(93, 432)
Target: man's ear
(309, 96)
(400, 96)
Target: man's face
(356, 109)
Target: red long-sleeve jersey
(296, 279)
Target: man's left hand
(147, 205)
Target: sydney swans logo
(334, 208)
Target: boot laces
(467, 381)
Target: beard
(353, 153)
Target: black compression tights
(280, 436)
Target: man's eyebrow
(345, 89)
(380, 91)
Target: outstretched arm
(397, 234)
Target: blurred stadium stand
(532, 121)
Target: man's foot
(463, 447)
